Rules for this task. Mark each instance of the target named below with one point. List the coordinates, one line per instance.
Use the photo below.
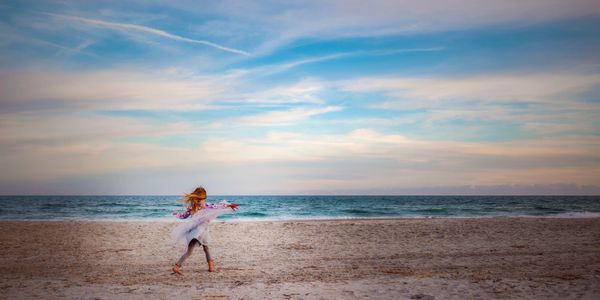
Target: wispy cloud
(142, 89)
(303, 91)
(354, 18)
(505, 87)
(287, 116)
(539, 104)
(109, 90)
(13, 35)
(146, 29)
(282, 67)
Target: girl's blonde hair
(196, 199)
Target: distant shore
(380, 258)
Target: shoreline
(447, 258)
(576, 215)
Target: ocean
(256, 208)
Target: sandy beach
(533, 258)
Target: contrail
(146, 29)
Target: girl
(195, 231)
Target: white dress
(197, 226)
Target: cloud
(12, 35)
(149, 30)
(537, 104)
(282, 67)
(25, 129)
(42, 146)
(172, 89)
(361, 159)
(535, 87)
(281, 24)
(287, 116)
(107, 90)
(301, 91)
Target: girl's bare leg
(211, 268)
(206, 252)
(193, 243)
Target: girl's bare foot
(211, 267)
(177, 269)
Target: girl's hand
(233, 206)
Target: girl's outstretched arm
(222, 205)
(212, 210)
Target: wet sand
(532, 258)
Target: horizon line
(296, 195)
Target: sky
(300, 97)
